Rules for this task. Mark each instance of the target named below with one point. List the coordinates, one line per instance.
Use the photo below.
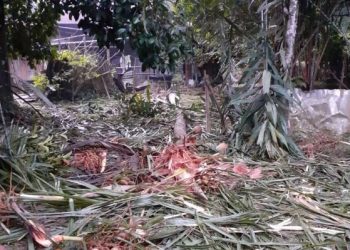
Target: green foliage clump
(153, 28)
(30, 26)
(41, 81)
(74, 58)
(197, 106)
(264, 99)
(142, 104)
(71, 71)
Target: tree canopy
(30, 26)
(153, 29)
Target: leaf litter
(99, 182)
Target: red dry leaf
(309, 150)
(197, 130)
(190, 141)
(241, 169)
(178, 160)
(255, 173)
(181, 164)
(90, 160)
(222, 148)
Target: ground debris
(159, 193)
(90, 160)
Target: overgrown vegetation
(142, 104)
(146, 171)
(265, 98)
(253, 38)
(157, 206)
(41, 81)
(70, 73)
(149, 26)
(239, 30)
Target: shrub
(71, 72)
(41, 81)
(142, 105)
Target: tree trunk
(292, 26)
(6, 97)
(291, 31)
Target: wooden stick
(207, 102)
(105, 86)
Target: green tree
(25, 31)
(152, 27)
(262, 38)
(254, 36)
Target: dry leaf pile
(181, 163)
(318, 143)
(90, 160)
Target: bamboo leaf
(260, 140)
(256, 105)
(272, 112)
(282, 139)
(273, 133)
(266, 81)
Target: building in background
(70, 37)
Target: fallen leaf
(123, 182)
(92, 160)
(103, 159)
(222, 148)
(162, 172)
(255, 173)
(38, 233)
(244, 170)
(241, 169)
(134, 162)
(198, 191)
(173, 99)
(186, 177)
